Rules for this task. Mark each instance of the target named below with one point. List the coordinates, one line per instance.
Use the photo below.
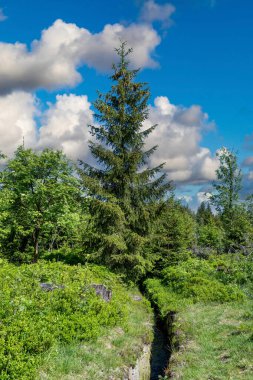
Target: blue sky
(196, 55)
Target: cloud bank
(52, 61)
(64, 125)
(178, 136)
(17, 121)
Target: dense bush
(163, 299)
(234, 269)
(211, 236)
(197, 279)
(33, 320)
(191, 281)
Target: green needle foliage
(125, 191)
(204, 215)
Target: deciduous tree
(39, 196)
(232, 212)
(228, 184)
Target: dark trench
(161, 348)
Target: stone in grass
(136, 297)
(49, 287)
(103, 292)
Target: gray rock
(49, 287)
(136, 297)
(103, 292)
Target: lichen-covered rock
(103, 292)
(136, 297)
(49, 287)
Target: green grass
(213, 332)
(216, 342)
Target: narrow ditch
(162, 346)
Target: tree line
(121, 213)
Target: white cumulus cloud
(203, 196)
(151, 11)
(178, 135)
(65, 126)
(53, 60)
(17, 121)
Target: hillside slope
(55, 326)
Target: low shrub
(191, 281)
(197, 279)
(32, 319)
(162, 298)
(233, 269)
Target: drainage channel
(160, 351)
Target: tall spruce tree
(125, 193)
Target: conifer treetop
(124, 187)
